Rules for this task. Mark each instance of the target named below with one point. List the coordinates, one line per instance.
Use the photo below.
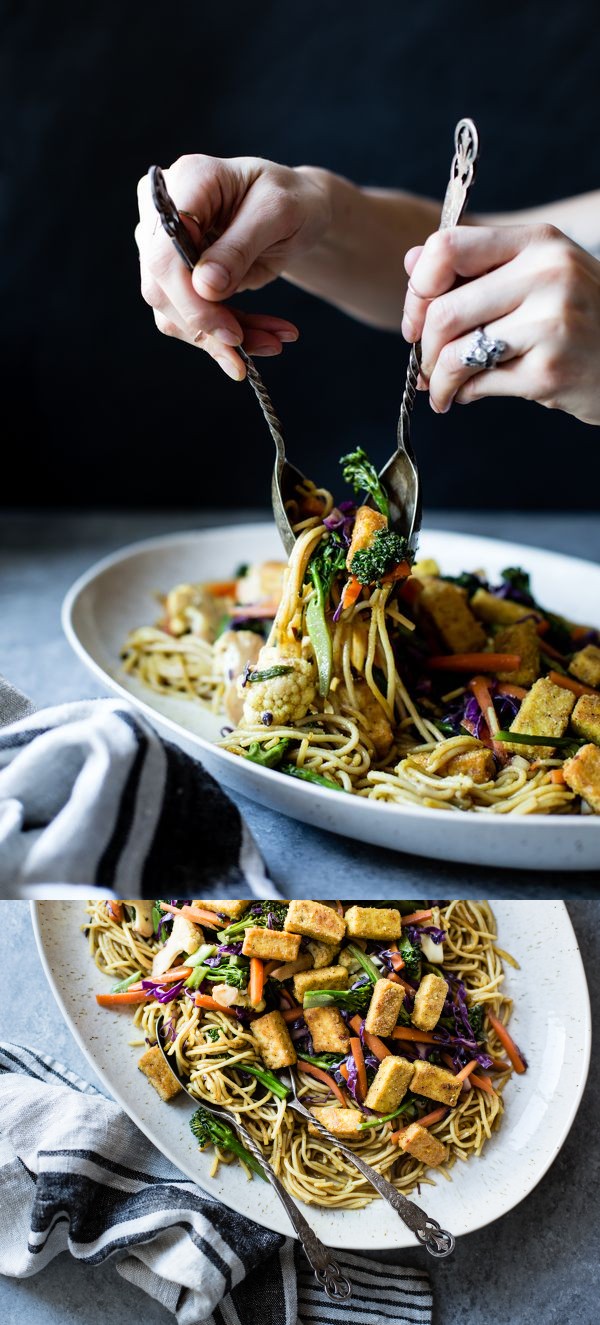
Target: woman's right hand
(254, 217)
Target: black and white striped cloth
(90, 795)
(76, 1175)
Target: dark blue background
(104, 411)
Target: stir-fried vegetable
(209, 1130)
(348, 1000)
(309, 775)
(270, 757)
(386, 551)
(361, 474)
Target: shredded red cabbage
(231, 949)
(164, 993)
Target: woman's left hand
(528, 286)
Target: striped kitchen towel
(76, 1175)
(89, 794)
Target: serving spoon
(326, 1270)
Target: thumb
(255, 228)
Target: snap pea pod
(318, 630)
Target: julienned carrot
(408, 1033)
(271, 966)
(511, 688)
(429, 1120)
(257, 980)
(552, 652)
(126, 996)
(115, 911)
(169, 977)
(221, 588)
(576, 687)
(376, 1046)
(205, 1001)
(292, 1014)
(397, 961)
(415, 917)
(400, 572)
(343, 1071)
(482, 1083)
(351, 592)
(398, 980)
(474, 662)
(465, 1071)
(557, 776)
(313, 1071)
(479, 687)
(192, 913)
(361, 1071)
(507, 1043)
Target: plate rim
(514, 824)
(36, 907)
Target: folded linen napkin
(77, 1175)
(89, 794)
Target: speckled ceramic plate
(120, 593)
(550, 1023)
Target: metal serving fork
(286, 477)
(400, 476)
(438, 1242)
(326, 1270)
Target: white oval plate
(119, 593)
(551, 1025)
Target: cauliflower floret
(261, 582)
(233, 649)
(189, 607)
(286, 697)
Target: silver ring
(484, 351)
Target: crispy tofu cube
(477, 764)
(585, 718)
(328, 977)
(314, 920)
(271, 944)
(389, 1085)
(521, 638)
(429, 1001)
(274, 1041)
(372, 922)
(582, 775)
(436, 1083)
(585, 665)
(341, 1122)
(234, 910)
(323, 954)
(545, 711)
(384, 1009)
(419, 1143)
(184, 938)
(447, 607)
(328, 1030)
(153, 1065)
(499, 611)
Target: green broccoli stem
(267, 1079)
(209, 1130)
(308, 775)
(268, 758)
(407, 1107)
(125, 984)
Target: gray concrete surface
(42, 554)
(536, 1266)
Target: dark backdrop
(99, 408)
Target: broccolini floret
(361, 474)
(211, 1131)
(386, 550)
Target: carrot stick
(115, 911)
(377, 1047)
(517, 692)
(126, 996)
(408, 1033)
(257, 981)
(479, 687)
(170, 977)
(205, 1001)
(400, 572)
(465, 1071)
(343, 1071)
(272, 966)
(499, 1065)
(192, 913)
(292, 1014)
(361, 1071)
(398, 980)
(474, 662)
(483, 1083)
(320, 1075)
(221, 588)
(415, 917)
(351, 592)
(397, 961)
(558, 777)
(576, 687)
(507, 1043)
(429, 1120)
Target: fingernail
(232, 369)
(285, 336)
(227, 337)
(213, 274)
(266, 350)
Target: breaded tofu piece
(384, 1009)
(274, 1041)
(342, 1122)
(478, 764)
(522, 638)
(499, 611)
(585, 665)
(373, 922)
(185, 938)
(153, 1065)
(446, 606)
(314, 920)
(378, 724)
(323, 954)
(585, 718)
(389, 1085)
(429, 1001)
(545, 711)
(436, 1083)
(234, 910)
(328, 1030)
(582, 775)
(419, 1143)
(328, 977)
(270, 943)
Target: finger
(266, 218)
(277, 326)
(469, 306)
(227, 359)
(511, 379)
(451, 373)
(462, 251)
